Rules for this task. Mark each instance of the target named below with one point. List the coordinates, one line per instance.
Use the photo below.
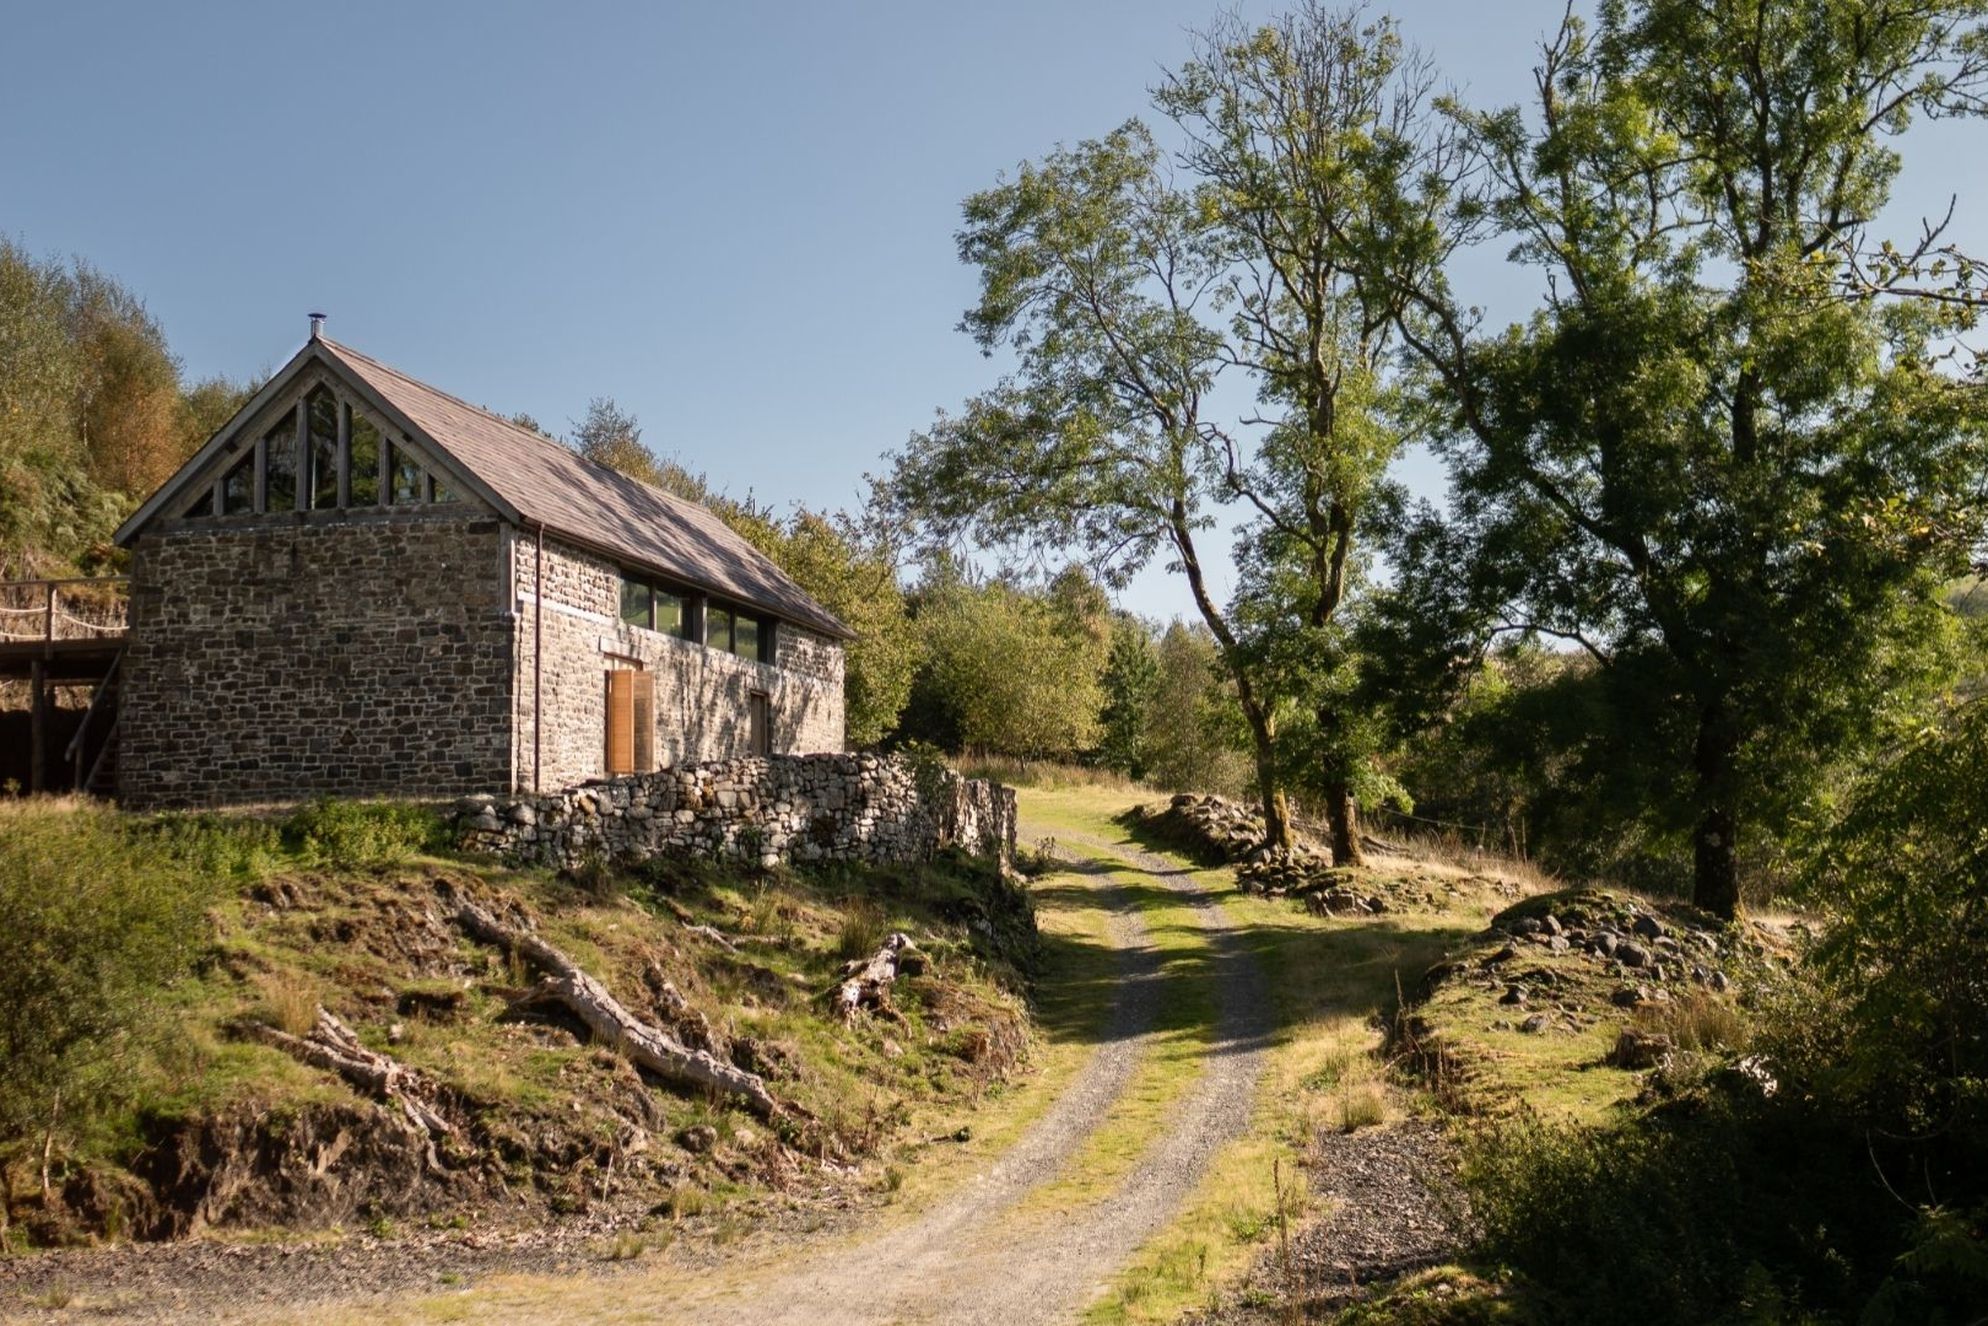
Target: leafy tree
(1306, 138)
(1003, 673)
(1194, 738)
(610, 436)
(93, 414)
(851, 570)
(1131, 680)
(1719, 459)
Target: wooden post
(37, 725)
(48, 615)
(344, 454)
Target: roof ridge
(541, 439)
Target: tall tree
(1719, 458)
(1126, 287)
(1307, 138)
(1100, 273)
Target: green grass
(337, 905)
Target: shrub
(361, 833)
(98, 924)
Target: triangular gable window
(347, 461)
(238, 489)
(321, 417)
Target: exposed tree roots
(866, 981)
(646, 1046)
(335, 1047)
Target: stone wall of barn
(317, 653)
(803, 808)
(702, 695)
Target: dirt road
(977, 1258)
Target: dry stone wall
(768, 811)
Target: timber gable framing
(310, 368)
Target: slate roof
(550, 484)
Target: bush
(361, 833)
(98, 924)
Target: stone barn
(362, 585)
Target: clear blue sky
(734, 218)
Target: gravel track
(973, 1262)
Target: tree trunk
(1344, 818)
(645, 1046)
(867, 981)
(1277, 831)
(335, 1047)
(1262, 727)
(1715, 846)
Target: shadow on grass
(1305, 969)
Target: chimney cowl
(317, 325)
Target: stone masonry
(783, 809)
(702, 695)
(317, 653)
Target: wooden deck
(73, 629)
(65, 633)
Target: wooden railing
(44, 611)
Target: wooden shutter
(760, 710)
(643, 716)
(620, 721)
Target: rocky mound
(1216, 831)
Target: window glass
(406, 477)
(718, 627)
(441, 493)
(365, 461)
(669, 613)
(745, 636)
(280, 466)
(322, 410)
(238, 489)
(636, 608)
(204, 507)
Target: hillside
(212, 1126)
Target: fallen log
(646, 1046)
(866, 981)
(335, 1047)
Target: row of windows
(689, 616)
(353, 466)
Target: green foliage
(1130, 681)
(1005, 673)
(98, 927)
(1724, 457)
(1904, 958)
(1194, 733)
(610, 436)
(849, 567)
(93, 414)
(361, 833)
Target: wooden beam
(37, 726)
(344, 454)
(303, 498)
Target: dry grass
(1047, 775)
(1452, 850)
(1699, 1021)
(289, 1002)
